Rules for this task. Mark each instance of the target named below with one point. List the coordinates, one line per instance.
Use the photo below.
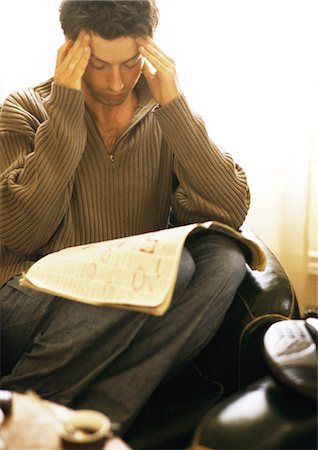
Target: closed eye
(98, 65)
(101, 65)
(131, 66)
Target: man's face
(113, 70)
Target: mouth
(114, 96)
(107, 97)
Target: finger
(156, 61)
(152, 48)
(77, 49)
(78, 55)
(146, 70)
(79, 59)
(82, 64)
(152, 45)
(62, 52)
(65, 49)
(71, 69)
(75, 69)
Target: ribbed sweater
(59, 186)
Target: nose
(116, 82)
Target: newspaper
(137, 272)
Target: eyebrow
(124, 62)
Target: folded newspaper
(137, 272)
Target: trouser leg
(45, 339)
(164, 344)
(112, 360)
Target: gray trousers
(110, 359)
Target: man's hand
(163, 83)
(72, 60)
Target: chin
(111, 101)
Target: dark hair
(110, 19)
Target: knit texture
(60, 188)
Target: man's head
(115, 64)
(110, 19)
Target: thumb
(147, 71)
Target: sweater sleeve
(41, 145)
(211, 185)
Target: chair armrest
(264, 415)
(235, 355)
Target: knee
(218, 255)
(186, 271)
(234, 259)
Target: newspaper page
(138, 271)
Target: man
(89, 156)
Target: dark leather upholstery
(264, 415)
(232, 360)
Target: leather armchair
(265, 415)
(231, 361)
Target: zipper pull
(111, 157)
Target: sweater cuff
(65, 100)
(175, 113)
(168, 111)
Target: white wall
(249, 67)
(29, 37)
